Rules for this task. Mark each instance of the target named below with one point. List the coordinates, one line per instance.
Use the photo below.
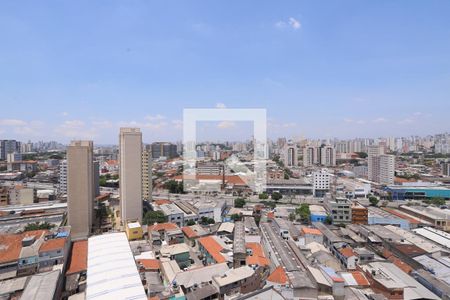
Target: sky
(322, 69)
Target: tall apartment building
(290, 155)
(163, 149)
(324, 155)
(381, 167)
(9, 146)
(96, 178)
(146, 175)
(130, 174)
(80, 188)
(62, 186)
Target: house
(53, 252)
(214, 250)
(177, 252)
(134, 231)
(311, 235)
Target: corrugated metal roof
(112, 272)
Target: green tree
(362, 154)
(190, 223)
(210, 221)
(174, 187)
(373, 200)
(235, 217)
(263, 196)
(328, 220)
(239, 202)
(38, 226)
(303, 212)
(269, 204)
(152, 217)
(276, 196)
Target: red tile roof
(314, 231)
(213, 248)
(162, 201)
(360, 279)
(78, 259)
(189, 232)
(257, 257)
(347, 252)
(162, 227)
(53, 244)
(278, 276)
(11, 244)
(149, 264)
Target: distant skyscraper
(290, 155)
(130, 175)
(324, 155)
(9, 146)
(162, 149)
(80, 188)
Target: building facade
(80, 188)
(130, 174)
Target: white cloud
(177, 124)
(295, 24)
(155, 118)
(226, 125)
(220, 105)
(405, 121)
(64, 114)
(291, 22)
(12, 122)
(351, 121)
(102, 124)
(380, 120)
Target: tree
(235, 217)
(263, 196)
(362, 154)
(303, 212)
(239, 202)
(276, 196)
(373, 200)
(38, 226)
(328, 220)
(210, 221)
(190, 223)
(435, 201)
(174, 187)
(269, 204)
(152, 217)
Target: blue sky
(81, 69)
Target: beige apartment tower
(80, 188)
(130, 176)
(146, 175)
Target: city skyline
(344, 69)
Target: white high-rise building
(80, 188)
(381, 167)
(130, 174)
(387, 169)
(146, 175)
(62, 187)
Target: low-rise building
(360, 214)
(177, 252)
(134, 231)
